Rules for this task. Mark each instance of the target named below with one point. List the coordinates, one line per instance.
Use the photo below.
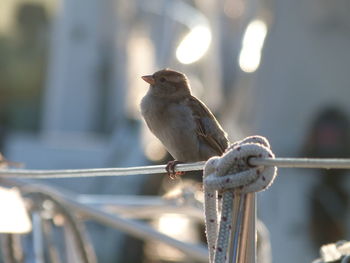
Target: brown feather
(199, 111)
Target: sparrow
(183, 123)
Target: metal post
(134, 228)
(250, 222)
(38, 241)
(243, 239)
(237, 213)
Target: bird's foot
(170, 168)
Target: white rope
(227, 176)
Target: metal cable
(156, 169)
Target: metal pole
(250, 223)
(38, 241)
(53, 252)
(137, 229)
(237, 212)
(243, 245)
(132, 227)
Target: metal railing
(242, 244)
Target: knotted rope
(227, 176)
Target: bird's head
(168, 83)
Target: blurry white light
(194, 45)
(174, 225)
(253, 41)
(180, 227)
(255, 34)
(249, 60)
(14, 217)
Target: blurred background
(70, 88)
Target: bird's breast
(173, 124)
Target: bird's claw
(170, 168)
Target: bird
(184, 124)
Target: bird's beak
(149, 79)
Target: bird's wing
(208, 127)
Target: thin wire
(302, 163)
(160, 169)
(74, 173)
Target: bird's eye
(162, 79)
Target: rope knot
(224, 177)
(233, 171)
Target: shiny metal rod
(77, 173)
(134, 228)
(249, 230)
(159, 169)
(38, 242)
(243, 243)
(323, 163)
(237, 218)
